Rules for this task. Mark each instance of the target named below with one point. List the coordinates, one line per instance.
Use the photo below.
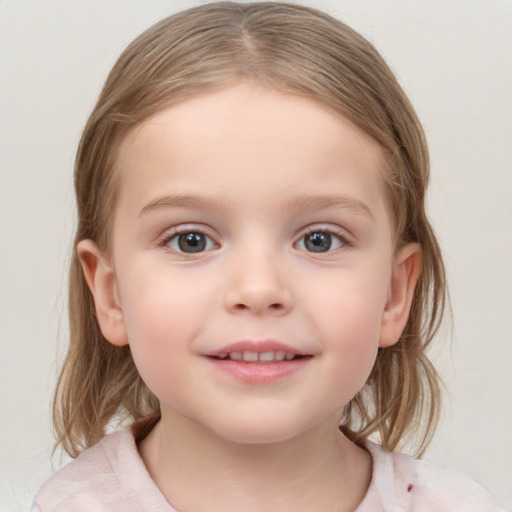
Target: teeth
(254, 357)
(280, 355)
(250, 357)
(267, 356)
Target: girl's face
(252, 269)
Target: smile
(258, 362)
(248, 356)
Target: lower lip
(259, 373)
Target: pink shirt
(111, 477)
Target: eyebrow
(168, 202)
(302, 202)
(319, 202)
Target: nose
(257, 285)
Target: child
(255, 280)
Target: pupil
(192, 242)
(318, 242)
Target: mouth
(249, 356)
(261, 352)
(259, 362)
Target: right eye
(190, 242)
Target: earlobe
(100, 277)
(406, 271)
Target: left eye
(191, 242)
(320, 241)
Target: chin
(259, 432)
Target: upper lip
(256, 346)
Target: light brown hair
(300, 51)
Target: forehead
(247, 135)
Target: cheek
(160, 305)
(152, 337)
(162, 318)
(352, 353)
(350, 303)
(348, 315)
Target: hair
(296, 50)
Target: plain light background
(454, 59)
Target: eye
(190, 242)
(320, 241)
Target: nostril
(275, 306)
(259, 299)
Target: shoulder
(402, 483)
(86, 481)
(110, 476)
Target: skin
(255, 171)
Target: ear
(406, 271)
(100, 278)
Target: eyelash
(333, 233)
(165, 240)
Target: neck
(197, 471)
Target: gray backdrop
(454, 59)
